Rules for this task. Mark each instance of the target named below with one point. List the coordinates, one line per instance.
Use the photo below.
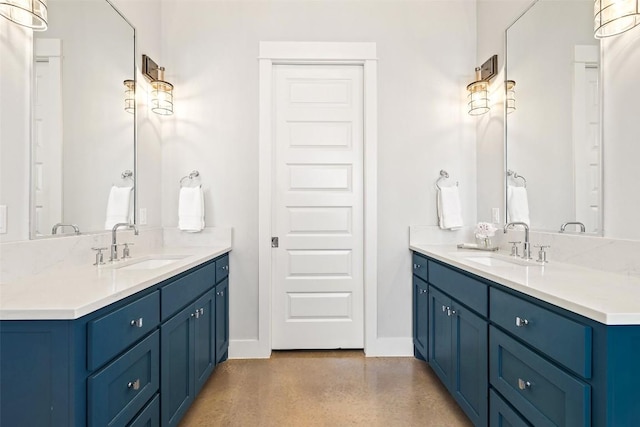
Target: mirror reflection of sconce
(28, 13)
(161, 90)
(129, 96)
(479, 90)
(613, 17)
(510, 100)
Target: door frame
(333, 53)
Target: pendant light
(28, 13)
(613, 17)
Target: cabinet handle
(444, 308)
(193, 314)
(136, 322)
(201, 311)
(226, 268)
(523, 385)
(221, 293)
(453, 313)
(520, 322)
(134, 384)
(197, 314)
(416, 266)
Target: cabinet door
(204, 344)
(470, 344)
(420, 316)
(176, 366)
(440, 346)
(222, 320)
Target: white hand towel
(449, 208)
(191, 209)
(118, 206)
(517, 204)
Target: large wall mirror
(83, 139)
(554, 135)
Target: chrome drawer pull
(520, 322)
(444, 308)
(134, 384)
(137, 323)
(225, 268)
(416, 266)
(201, 311)
(523, 385)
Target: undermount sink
(151, 262)
(492, 259)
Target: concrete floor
(324, 388)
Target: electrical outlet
(495, 215)
(143, 216)
(3, 219)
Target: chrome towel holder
(443, 175)
(190, 177)
(515, 176)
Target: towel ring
(127, 174)
(443, 175)
(190, 177)
(515, 176)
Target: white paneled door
(317, 292)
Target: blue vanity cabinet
(118, 365)
(502, 415)
(458, 351)
(222, 320)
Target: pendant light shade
(161, 95)
(612, 17)
(478, 97)
(129, 96)
(28, 13)
(511, 96)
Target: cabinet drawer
(564, 340)
(545, 394)
(420, 266)
(118, 392)
(222, 268)
(183, 291)
(470, 292)
(111, 334)
(501, 414)
(149, 416)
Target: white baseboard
(381, 347)
(248, 349)
(390, 347)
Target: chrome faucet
(563, 226)
(526, 253)
(114, 243)
(54, 229)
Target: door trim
(276, 53)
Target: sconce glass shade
(161, 95)
(613, 17)
(28, 13)
(478, 97)
(510, 100)
(129, 96)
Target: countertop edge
(201, 256)
(612, 319)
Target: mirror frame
(601, 231)
(32, 172)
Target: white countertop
(73, 293)
(608, 298)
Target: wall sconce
(613, 17)
(129, 96)
(28, 13)
(479, 90)
(161, 90)
(510, 100)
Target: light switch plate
(495, 215)
(143, 216)
(3, 219)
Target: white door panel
(317, 296)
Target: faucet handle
(542, 254)
(514, 248)
(99, 256)
(126, 252)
